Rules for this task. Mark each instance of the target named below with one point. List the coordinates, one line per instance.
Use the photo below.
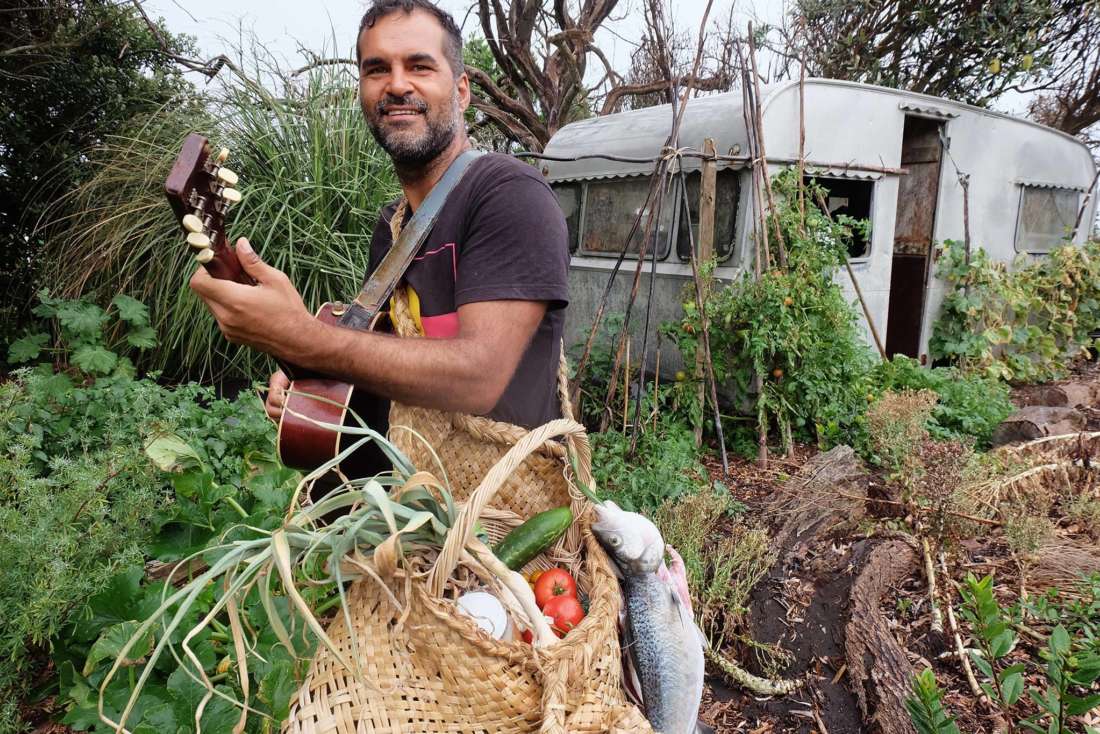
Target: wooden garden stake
(707, 185)
(758, 120)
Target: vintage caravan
(891, 156)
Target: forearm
(446, 374)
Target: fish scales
(666, 648)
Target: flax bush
(313, 181)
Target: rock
(1068, 395)
(1037, 421)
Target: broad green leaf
(1059, 640)
(131, 310)
(94, 359)
(171, 453)
(27, 348)
(1013, 688)
(111, 643)
(1075, 706)
(83, 319)
(142, 337)
(278, 687)
(161, 719)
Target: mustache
(384, 105)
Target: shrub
(724, 556)
(793, 328)
(1021, 322)
(968, 405)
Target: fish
(664, 643)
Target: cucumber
(533, 537)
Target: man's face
(409, 95)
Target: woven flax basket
(427, 668)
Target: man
(490, 282)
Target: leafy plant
(1068, 665)
(793, 329)
(671, 466)
(995, 639)
(926, 708)
(1021, 322)
(313, 181)
(967, 405)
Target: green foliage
(664, 466)
(1067, 668)
(968, 404)
(83, 506)
(70, 73)
(793, 329)
(313, 181)
(82, 341)
(1017, 323)
(926, 706)
(995, 640)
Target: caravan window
(569, 199)
(610, 208)
(852, 197)
(1046, 218)
(725, 215)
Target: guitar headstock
(201, 190)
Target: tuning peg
(192, 223)
(204, 256)
(222, 156)
(227, 177)
(198, 240)
(231, 196)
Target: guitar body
(304, 445)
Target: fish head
(632, 541)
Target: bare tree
(544, 49)
(1072, 102)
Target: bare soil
(848, 600)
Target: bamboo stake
(626, 386)
(802, 146)
(855, 285)
(656, 382)
(930, 573)
(763, 258)
(759, 122)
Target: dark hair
(452, 42)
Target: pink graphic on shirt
(441, 248)
(444, 326)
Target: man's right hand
(276, 395)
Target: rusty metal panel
(918, 192)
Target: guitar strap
(379, 286)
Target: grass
(313, 181)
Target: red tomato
(527, 636)
(566, 611)
(555, 582)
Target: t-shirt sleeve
(516, 245)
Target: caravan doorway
(918, 193)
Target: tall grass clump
(313, 181)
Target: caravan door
(918, 194)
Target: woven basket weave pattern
(431, 669)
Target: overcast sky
(284, 25)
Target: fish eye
(614, 541)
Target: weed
(896, 428)
(1085, 510)
(725, 556)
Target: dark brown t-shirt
(500, 236)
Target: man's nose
(398, 84)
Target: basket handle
(463, 530)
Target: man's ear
(463, 85)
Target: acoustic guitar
(201, 190)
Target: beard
(412, 151)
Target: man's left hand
(269, 316)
